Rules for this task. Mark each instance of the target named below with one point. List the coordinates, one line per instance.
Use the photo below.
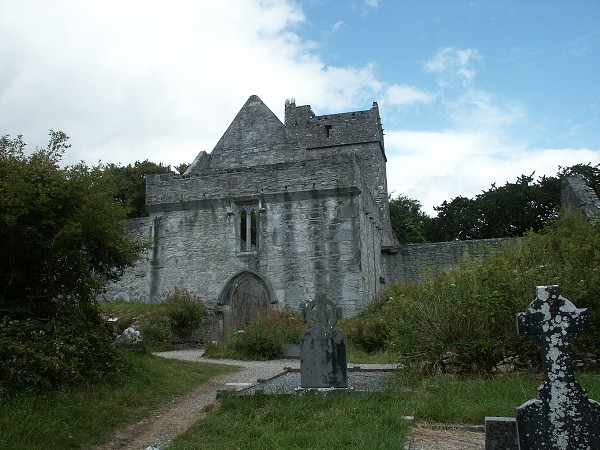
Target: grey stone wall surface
(414, 262)
(308, 234)
(132, 287)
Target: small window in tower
(328, 130)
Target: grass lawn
(298, 422)
(84, 417)
(370, 421)
(91, 415)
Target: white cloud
(142, 80)
(139, 80)
(338, 25)
(372, 3)
(401, 95)
(453, 65)
(437, 166)
(475, 108)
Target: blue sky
(542, 58)
(470, 92)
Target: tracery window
(248, 228)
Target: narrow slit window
(328, 130)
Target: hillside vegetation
(471, 310)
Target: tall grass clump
(471, 310)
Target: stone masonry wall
(413, 262)
(308, 229)
(133, 285)
(169, 192)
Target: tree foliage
(511, 210)
(505, 211)
(61, 232)
(61, 240)
(409, 222)
(130, 182)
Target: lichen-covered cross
(553, 322)
(563, 417)
(322, 347)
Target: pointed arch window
(248, 228)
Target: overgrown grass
(370, 421)
(180, 312)
(357, 355)
(91, 415)
(127, 311)
(471, 310)
(453, 399)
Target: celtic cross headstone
(563, 417)
(322, 347)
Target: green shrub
(156, 331)
(264, 337)
(180, 312)
(185, 310)
(370, 334)
(48, 354)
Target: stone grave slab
(323, 363)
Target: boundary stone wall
(414, 262)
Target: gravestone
(322, 347)
(563, 417)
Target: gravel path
(173, 418)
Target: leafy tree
(409, 222)
(61, 240)
(61, 231)
(456, 220)
(131, 184)
(506, 211)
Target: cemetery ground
(468, 314)
(89, 417)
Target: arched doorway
(242, 295)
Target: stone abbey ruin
(278, 213)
